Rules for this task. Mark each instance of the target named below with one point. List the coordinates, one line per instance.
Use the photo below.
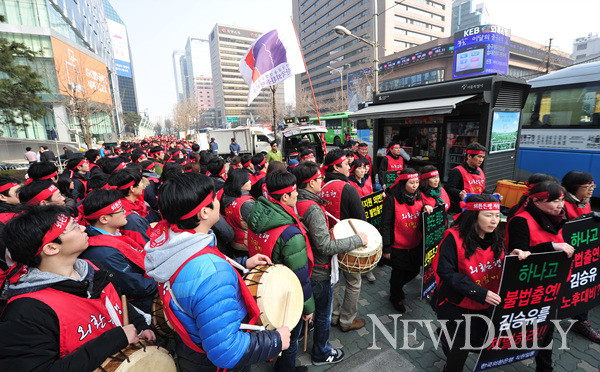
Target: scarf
(436, 194)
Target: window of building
(582, 46)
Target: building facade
(197, 60)
(123, 59)
(585, 48)
(178, 70)
(75, 57)
(228, 45)
(467, 13)
(400, 26)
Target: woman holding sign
(537, 228)
(468, 270)
(402, 233)
(580, 187)
(431, 190)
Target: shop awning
(438, 106)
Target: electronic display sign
(481, 50)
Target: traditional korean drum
(143, 356)
(159, 319)
(363, 259)
(270, 286)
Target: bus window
(563, 107)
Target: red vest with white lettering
(332, 193)
(233, 216)
(481, 268)
(254, 178)
(472, 183)
(302, 207)
(573, 211)
(79, 319)
(407, 224)
(124, 244)
(166, 297)
(430, 200)
(537, 235)
(394, 164)
(364, 190)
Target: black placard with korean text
(373, 205)
(434, 226)
(390, 178)
(582, 291)
(530, 291)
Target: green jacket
(290, 248)
(274, 156)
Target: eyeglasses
(588, 187)
(121, 210)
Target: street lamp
(343, 31)
(339, 71)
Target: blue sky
(156, 28)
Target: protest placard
(434, 226)
(373, 204)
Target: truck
(252, 140)
(298, 137)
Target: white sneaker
(336, 356)
(370, 277)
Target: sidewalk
(582, 356)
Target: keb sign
(232, 119)
(481, 50)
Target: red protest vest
(124, 244)
(265, 242)
(472, 183)
(573, 211)
(394, 164)
(430, 200)
(165, 296)
(233, 216)
(80, 319)
(302, 207)
(481, 268)
(220, 194)
(407, 224)
(332, 193)
(364, 190)
(138, 206)
(537, 235)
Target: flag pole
(307, 74)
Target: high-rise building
(467, 14)
(178, 69)
(197, 60)
(228, 45)
(122, 57)
(75, 54)
(400, 26)
(586, 48)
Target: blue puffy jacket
(209, 302)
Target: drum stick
(352, 226)
(235, 264)
(251, 327)
(305, 334)
(125, 310)
(332, 216)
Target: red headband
(204, 203)
(8, 186)
(483, 206)
(317, 175)
(262, 162)
(530, 185)
(43, 195)
(430, 174)
(286, 190)
(475, 152)
(108, 187)
(335, 162)
(247, 164)
(126, 186)
(110, 209)
(396, 145)
(150, 167)
(78, 165)
(120, 166)
(308, 156)
(405, 176)
(544, 195)
(51, 175)
(58, 227)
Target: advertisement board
(481, 50)
(505, 130)
(120, 47)
(80, 75)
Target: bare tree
(82, 85)
(185, 115)
(272, 110)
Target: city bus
(561, 124)
(339, 127)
